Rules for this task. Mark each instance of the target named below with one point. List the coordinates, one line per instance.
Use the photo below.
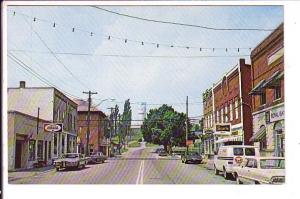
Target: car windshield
(193, 153)
(71, 156)
(272, 164)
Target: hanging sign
(53, 127)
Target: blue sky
(150, 80)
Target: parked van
(232, 155)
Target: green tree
(165, 126)
(126, 120)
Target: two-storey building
(268, 94)
(54, 107)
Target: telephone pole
(87, 152)
(110, 129)
(187, 125)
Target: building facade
(232, 102)
(268, 94)
(208, 123)
(54, 107)
(28, 143)
(97, 141)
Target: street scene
(145, 95)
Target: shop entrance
(18, 154)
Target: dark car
(192, 157)
(158, 150)
(97, 157)
(162, 153)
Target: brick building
(268, 94)
(232, 106)
(208, 122)
(97, 141)
(54, 107)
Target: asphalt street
(138, 166)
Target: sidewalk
(27, 173)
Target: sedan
(192, 157)
(97, 157)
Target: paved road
(137, 166)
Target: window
(222, 115)
(218, 115)
(226, 113)
(62, 144)
(58, 115)
(250, 151)
(40, 150)
(49, 150)
(263, 98)
(277, 92)
(230, 110)
(237, 108)
(55, 145)
(263, 143)
(31, 150)
(238, 151)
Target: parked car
(232, 155)
(162, 153)
(71, 160)
(261, 170)
(157, 150)
(97, 157)
(193, 157)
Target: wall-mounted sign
(223, 127)
(275, 56)
(276, 114)
(53, 127)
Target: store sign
(53, 127)
(277, 114)
(275, 56)
(223, 127)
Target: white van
(232, 155)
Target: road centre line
(140, 178)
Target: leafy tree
(165, 126)
(126, 120)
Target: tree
(165, 126)
(126, 120)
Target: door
(45, 151)
(18, 154)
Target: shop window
(55, 145)
(40, 150)
(263, 143)
(277, 92)
(31, 150)
(49, 150)
(263, 98)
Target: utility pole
(119, 132)
(38, 121)
(87, 152)
(187, 125)
(110, 130)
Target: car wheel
(225, 174)
(256, 182)
(237, 178)
(216, 171)
(57, 169)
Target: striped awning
(258, 135)
(230, 139)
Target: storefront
(269, 133)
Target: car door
(247, 172)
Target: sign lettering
(53, 127)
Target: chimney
(242, 62)
(22, 84)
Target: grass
(133, 144)
(148, 144)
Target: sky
(80, 62)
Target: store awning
(273, 80)
(258, 135)
(258, 89)
(230, 139)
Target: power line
(183, 24)
(35, 74)
(134, 56)
(65, 67)
(141, 42)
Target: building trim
(266, 109)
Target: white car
(261, 170)
(231, 156)
(71, 160)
